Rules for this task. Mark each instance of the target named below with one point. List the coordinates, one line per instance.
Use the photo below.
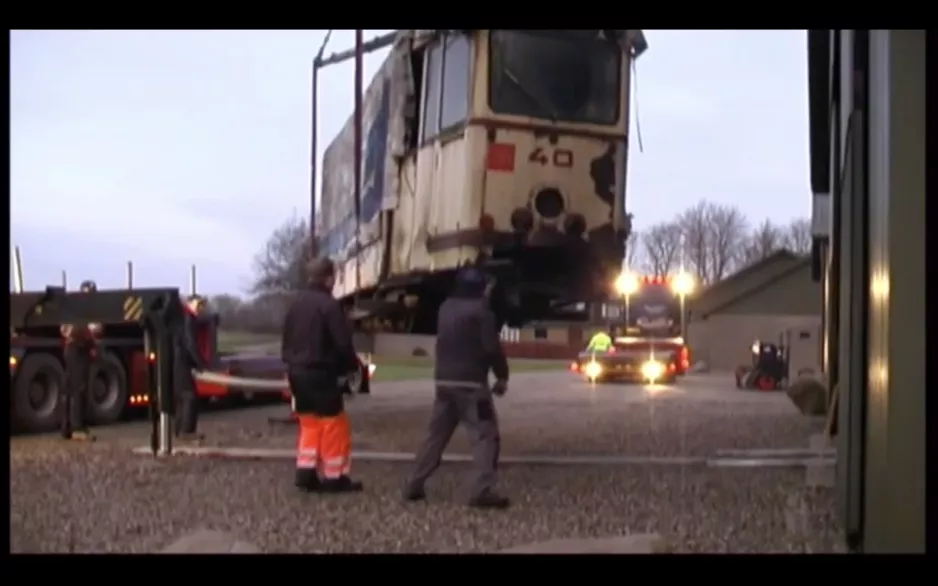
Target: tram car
(504, 149)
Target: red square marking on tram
(501, 157)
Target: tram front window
(555, 75)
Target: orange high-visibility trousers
(325, 444)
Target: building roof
(747, 281)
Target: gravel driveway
(100, 498)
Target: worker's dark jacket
(186, 355)
(467, 343)
(80, 351)
(317, 350)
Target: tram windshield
(558, 75)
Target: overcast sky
(176, 147)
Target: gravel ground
(99, 498)
(555, 414)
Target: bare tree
(797, 237)
(229, 309)
(662, 246)
(762, 242)
(695, 231)
(633, 252)
(281, 266)
(728, 228)
(713, 236)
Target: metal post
(130, 274)
(359, 73)
(17, 270)
(314, 131)
(627, 317)
(683, 297)
(164, 373)
(192, 282)
(314, 142)
(152, 393)
(64, 280)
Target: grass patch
(231, 341)
(389, 368)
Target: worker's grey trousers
(475, 409)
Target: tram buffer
(159, 311)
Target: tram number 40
(558, 158)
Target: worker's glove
(500, 388)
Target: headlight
(592, 370)
(652, 370)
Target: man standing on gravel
(187, 357)
(317, 349)
(81, 347)
(467, 347)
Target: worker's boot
(414, 495)
(341, 484)
(490, 500)
(81, 435)
(307, 480)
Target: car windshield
(555, 75)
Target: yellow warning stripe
(133, 308)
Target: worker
(90, 286)
(317, 350)
(600, 342)
(79, 354)
(187, 358)
(467, 348)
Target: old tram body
(505, 149)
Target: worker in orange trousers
(318, 353)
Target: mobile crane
(121, 375)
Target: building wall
(724, 339)
(550, 340)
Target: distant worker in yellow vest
(600, 342)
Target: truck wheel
(40, 385)
(107, 395)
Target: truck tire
(108, 393)
(39, 388)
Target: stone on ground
(209, 541)
(623, 544)
(809, 396)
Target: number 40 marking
(560, 157)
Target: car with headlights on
(638, 359)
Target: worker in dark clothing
(467, 348)
(81, 348)
(79, 354)
(317, 351)
(187, 357)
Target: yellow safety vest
(600, 342)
